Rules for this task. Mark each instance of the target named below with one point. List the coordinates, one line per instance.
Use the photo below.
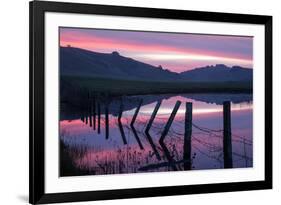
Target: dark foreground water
(129, 149)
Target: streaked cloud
(177, 52)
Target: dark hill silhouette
(80, 62)
(218, 73)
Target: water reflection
(129, 129)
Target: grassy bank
(67, 166)
(129, 87)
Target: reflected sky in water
(91, 153)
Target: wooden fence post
(90, 111)
(170, 121)
(94, 113)
(87, 106)
(150, 140)
(99, 117)
(136, 113)
(153, 115)
(120, 123)
(187, 136)
(227, 144)
(165, 132)
(86, 115)
(106, 119)
(132, 124)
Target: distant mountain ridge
(80, 62)
(218, 73)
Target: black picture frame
(37, 10)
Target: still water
(86, 149)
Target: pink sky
(176, 52)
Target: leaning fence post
(153, 115)
(132, 124)
(150, 140)
(120, 123)
(227, 144)
(170, 121)
(136, 113)
(187, 136)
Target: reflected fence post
(86, 112)
(187, 137)
(133, 122)
(165, 132)
(227, 144)
(90, 109)
(80, 104)
(87, 106)
(81, 108)
(94, 113)
(137, 137)
(99, 115)
(82, 117)
(150, 140)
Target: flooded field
(152, 133)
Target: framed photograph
(141, 102)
